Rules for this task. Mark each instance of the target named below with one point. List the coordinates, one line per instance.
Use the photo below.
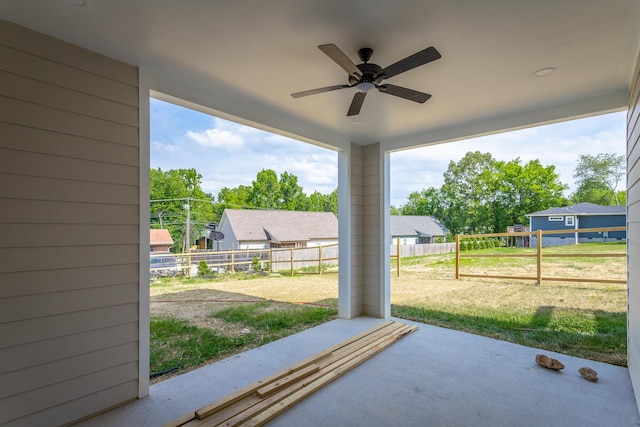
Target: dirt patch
(197, 301)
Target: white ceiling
(243, 58)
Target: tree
(265, 190)
(237, 197)
(292, 196)
(466, 194)
(171, 192)
(593, 174)
(522, 189)
(318, 202)
(481, 195)
(428, 202)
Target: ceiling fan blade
(332, 51)
(319, 90)
(403, 92)
(417, 59)
(356, 103)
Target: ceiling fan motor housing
(369, 73)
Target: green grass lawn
(580, 319)
(178, 343)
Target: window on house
(556, 218)
(569, 221)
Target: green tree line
(479, 194)
(483, 195)
(175, 192)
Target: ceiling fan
(367, 76)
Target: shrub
(256, 265)
(204, 270)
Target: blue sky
(227, 154)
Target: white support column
(344, 234)
(364, 232)
(143, 293)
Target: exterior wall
(247, 245)
(553, 240)
(159, 249)
(633, 232)
(70, 227)
(321, 242)
(543, 223)
(229, 236)
(404, 240)
(595, 221)
(587, 221)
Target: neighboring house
(160, 240)
(262, 229)
(413, 229)
(582, 215)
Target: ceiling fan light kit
(367, 76)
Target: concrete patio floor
(433, 377)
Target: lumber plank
(252, 388)
(255, 405)
(284, 404)
(287, 381)
(182, 421)
(266, 395)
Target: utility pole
(188, 225)
(187, 237)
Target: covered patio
(432, 377)
(76, 77)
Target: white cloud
(217, 138)
(167, 148)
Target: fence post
(398, 257)
(270, 260)
(457, 256)
(320, 259)
(233, 262)
(291, 262)
(189, 262)
(539, 256)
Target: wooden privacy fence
(317, 259)
(538, 255)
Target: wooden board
(260, 402)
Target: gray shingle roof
(583, 209)
(281, 226)
(414, 225)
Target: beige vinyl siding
(69, 227)
(372, 250)
(633, 231)
(357, 230)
